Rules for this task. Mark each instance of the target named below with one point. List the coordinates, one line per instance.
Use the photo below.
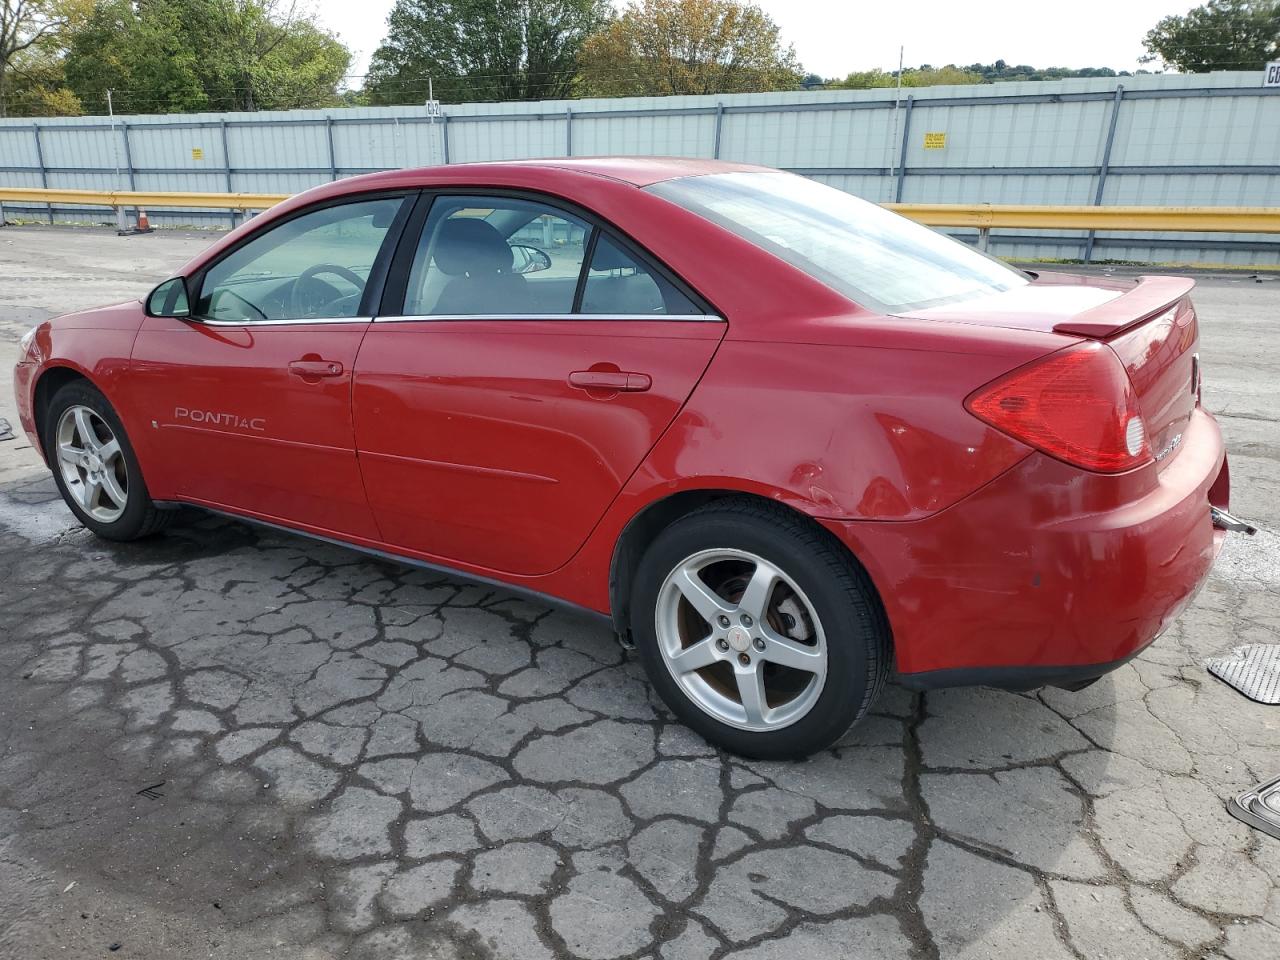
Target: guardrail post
(1104, 165)
(715, 149)
(444, 135)
(44, 173)
(902, 157)
(128, 165)
(568, 132)
(984, 238)
(128, 156)
(226, 164)
(333, 157)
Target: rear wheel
(758, 630)
(95, 467)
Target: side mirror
(169, 299)
(527, 259)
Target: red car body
(465, 445)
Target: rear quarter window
(866, 253)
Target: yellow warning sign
(197, 153)
(935, 141)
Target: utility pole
(897, 103)
(115, 144)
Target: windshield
(873, 257)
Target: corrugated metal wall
(1211, 140)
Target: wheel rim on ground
(741, 639)
(92, 463)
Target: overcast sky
(834, 37)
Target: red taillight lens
(1077, 405)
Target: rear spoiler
(1149, 297)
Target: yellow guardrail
(986, 216)
(983, 216)
(141, 198)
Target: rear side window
(496, 257)
(314, 266)
(862, 251)
(617, 283)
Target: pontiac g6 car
(789, 442)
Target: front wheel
(759, 630)
(95, 467)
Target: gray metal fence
(1200, 140)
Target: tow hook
(1226, 521)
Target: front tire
(95, 467)
(758, 630)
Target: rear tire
(95, 467)
(759, 630)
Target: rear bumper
(1048, 574)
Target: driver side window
(314, 266)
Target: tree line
(68, 57)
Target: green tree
(482, 49)
(175, 56)
(924, 76)
(927, 75)
(662, 47)
(140, 54)
(30, 35)
(1001, 71)
(1221, 35)
(37, 87)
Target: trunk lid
(1149, 323)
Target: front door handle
(315, 369)
(613, 381)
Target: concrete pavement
(232, 742)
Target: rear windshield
(873, 257)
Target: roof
(636, 171)
(639, 171)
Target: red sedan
(788, 442)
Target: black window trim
(374, 286)
(395, 290)
(588, 255)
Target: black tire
(859, 646)
(141, 517)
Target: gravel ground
(229, 742)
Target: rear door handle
(619, 381)
(314, 369)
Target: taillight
(1077, 405)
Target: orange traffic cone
(144, 225)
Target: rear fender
(848, 432)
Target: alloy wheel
(92, 463)
(741, 639)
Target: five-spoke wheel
(95, 466)
(91, 462)
(741, 639)
(758, 628)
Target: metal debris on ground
(6, 429)
(1253, 669)
(1259, 807)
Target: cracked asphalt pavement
(229, 742)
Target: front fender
(95, 345)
